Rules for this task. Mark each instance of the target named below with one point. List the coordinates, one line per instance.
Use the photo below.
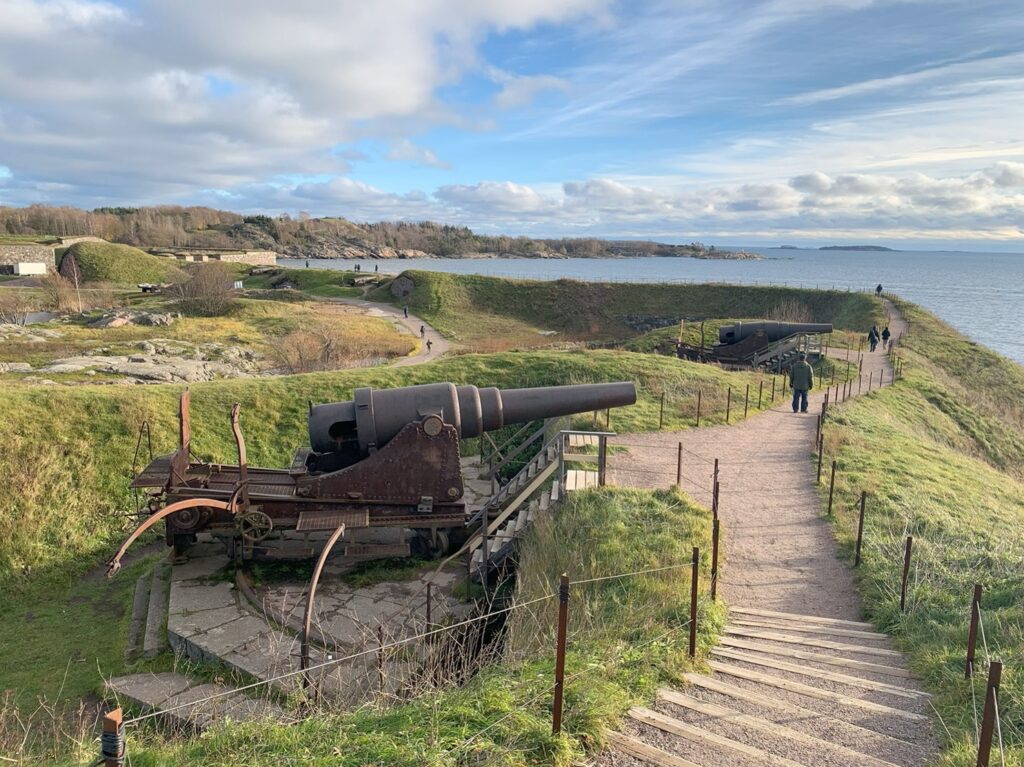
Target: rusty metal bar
(563, 620)
(988, 719)
(760, 393)
(679, 465)
(693, 601)
(699, 391)
(860, 528)
(831, 487)
(243, 465)
(602, 460)
(972, 633)
(307, 620)
(715, 523)
(184, 421)
(714, 477)
(906, 572)
(746, 401)
(728, 404)
(113, 747)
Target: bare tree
(15, 306)
(208, 292)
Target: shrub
(15, 306)
(209, 291)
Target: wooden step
(770, 728)
(831, 676)
(705, 737)
(833, 660)
(779, 626)
(715, 684)
(774, 636)
(811, 692)
(800, 618)
(630, 746)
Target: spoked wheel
(254, 526)
(430, 543)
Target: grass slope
(491, 313)
(621, 650)
(939, 457)
(120, 264)
(320, 283)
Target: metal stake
(972, 633)
(906, 572)
(860, 529)
(831, 487)
(714, 557)
(995, 673)
(679, 466)
(563, 620)
(693, 602)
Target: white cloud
(520, 90)
(404, 150)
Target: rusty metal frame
(243, 466)
(307, 621)
(115, 563)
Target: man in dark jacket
(801, 378)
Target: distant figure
(405, 310)
(801, 378)
(873, 337)
(376, 267)
(423, 331)
(307, 263)
(878, 290)
(429, 344)
(886, 335)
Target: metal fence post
(661, 414)
(995, 673)
(714, 476)
(693, 601)
(831, 487)
(773, 388)
(714, 557)
(821, 450)
(746, 401)
(679, 465)
(113, 746)
(760, 393)
(972, 633)
(563, 620)
(602, 460)
(906, 572)
(728, 403)
(430, 595)
(698, 407)
(860, 528)
(380, 656)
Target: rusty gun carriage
(384, 466)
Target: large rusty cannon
(386, 460)
(769, 331)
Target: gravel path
(779, 550)
(412, 324)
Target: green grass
(490, 313)
(319, 283)
(121, 264)
(940, 460)
(627, 638)
(27, 239)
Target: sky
(727, 121)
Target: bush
(15, 306)
(122, 264)
(209, 291)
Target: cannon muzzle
(775, 331)
(371, 418)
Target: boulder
(15, 367)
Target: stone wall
(253, 257)
(18, 254)
(69, 241)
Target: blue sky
(740, 121)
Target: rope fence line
(630, 575)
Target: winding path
(438, 344)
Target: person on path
(429, 344)
(886, 335)
(873, 337)
(878, 290)
(801, 379)
(376, 267)
(423, 331)
(307, 263)
(406, 310)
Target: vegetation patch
(119, 264)
(319, 283)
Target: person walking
(878, 290)
(429, 344)
(376, 267)
(423, 331)
(405, 309)
(307, 263)
(886, 335)
(801, 379)
(873, 337)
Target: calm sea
(980, 294)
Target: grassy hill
(490, 313)
(120, 264)
(940, 456)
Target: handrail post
(563, 620)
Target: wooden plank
(812, 692)
(771, 728)
(801, 618)
(832, 660)
(779, 626)
(774, 636)
(805, 714)
(508, 510)
(705, 737)
(636, 748)
(831, 676)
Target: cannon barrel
(373, 417)
(775, 331)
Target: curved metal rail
(307, 622)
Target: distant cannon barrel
(373, 417)
(775, 331)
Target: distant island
(306, 237)
(858, 247)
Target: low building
(199, 255)
(13, 255)
(30, 268)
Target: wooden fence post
(988, 719)
(746, 401)
(714, 500)
(831, 487)
(714, 476)
(774, 378)
(972, 633)
(728, 403)
(698, 408)
(112, 742)
(679, 466)
(661, 414)
(760, 393)
(714, 557)
(821, 450)
(860, 528)
(693, 602)
(906, 572)
(563, 620)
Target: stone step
(154, 640)
(189, 704)
(140, 605)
